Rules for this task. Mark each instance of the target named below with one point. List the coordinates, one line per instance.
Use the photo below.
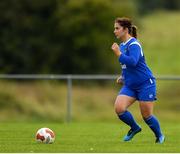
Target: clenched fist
(115, 48)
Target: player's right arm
(133, 57)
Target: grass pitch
(86, 137)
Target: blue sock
(127, 118)
(153, 123)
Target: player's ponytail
(134, 31)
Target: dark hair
(127, 23)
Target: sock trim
(147, 119)
(119, 114)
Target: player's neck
(126, 38)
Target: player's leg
(123, 101)
(147, 113)
(146, 103)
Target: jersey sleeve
(133, 57)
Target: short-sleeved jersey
(135, 71)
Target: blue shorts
(146, 92)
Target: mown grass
(86, 137)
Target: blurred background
(75, 37)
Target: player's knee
(119, 109)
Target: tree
(86, 34)
(59, 36)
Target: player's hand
(119, 80)
(115, 48)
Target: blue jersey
(135, 72)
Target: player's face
(119, 31)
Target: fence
(69, 79)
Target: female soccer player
(138, 81)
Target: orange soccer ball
(45, 135)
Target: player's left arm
(119, 80)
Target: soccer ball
(45, 135)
